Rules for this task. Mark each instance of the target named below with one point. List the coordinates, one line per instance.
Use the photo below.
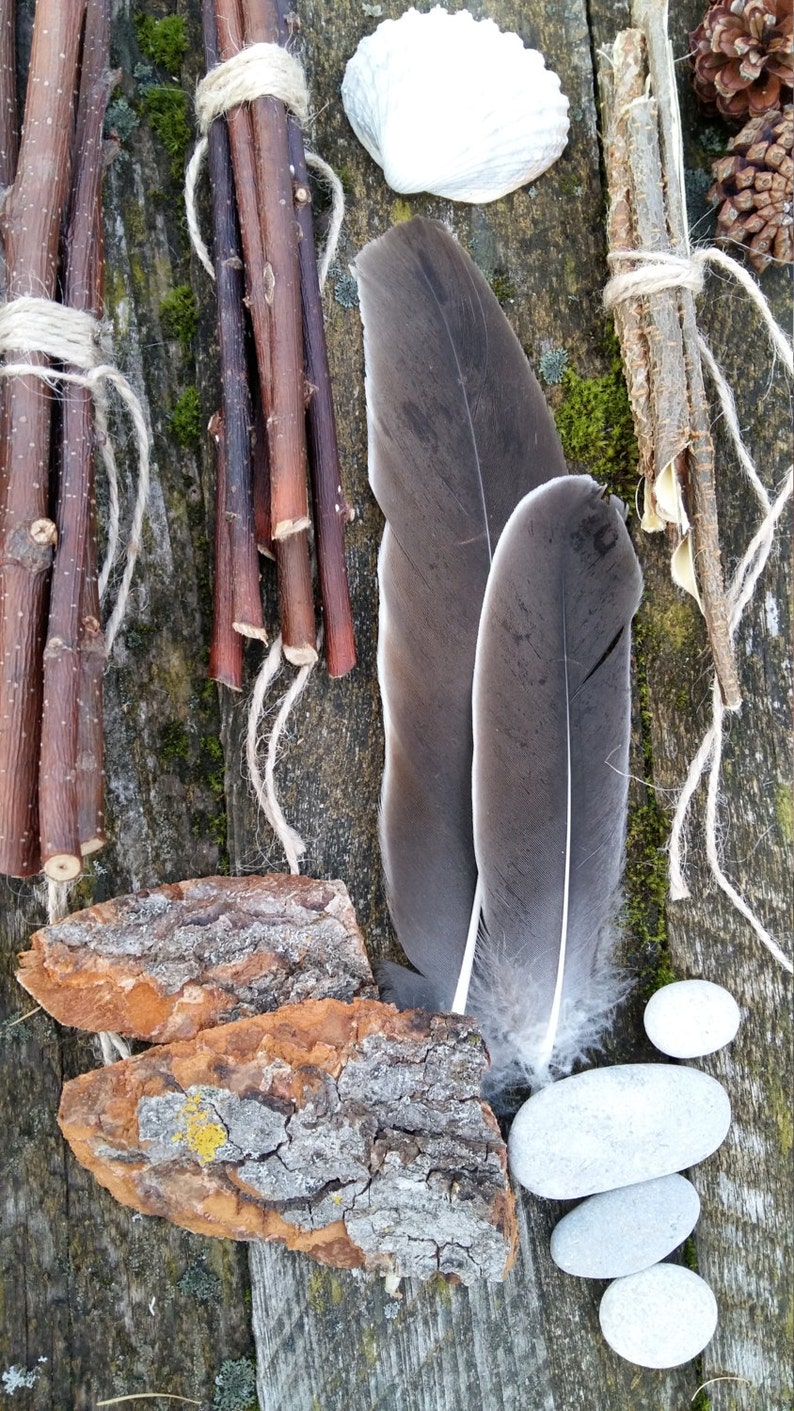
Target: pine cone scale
(744, 57)
(753, 186)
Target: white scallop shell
(452, 105)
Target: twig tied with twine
(250, 107)
(652, 295)
(51, 662)
(260, 89)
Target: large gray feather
(550, 775)
(458, 432)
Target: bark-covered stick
(652, 18)
(31, 228)
(295, 600)
(9, 134)
(295, 593)
(61, 850)
(226, 648)
(331, 512)
(58, 808)
(261, 477)
(668, 395)
(89, 783)
(286, 418)
(622, 78)
(92, 657)
(229, 286)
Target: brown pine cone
(743, 57)
(754, 185)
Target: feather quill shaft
(459, 431)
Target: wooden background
(99, 1302)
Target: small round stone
(622, 1231)
(661, 1317)
(616, 1126)
(691, 1018)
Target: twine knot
(31, 326)
(258, 71)
(70, 336)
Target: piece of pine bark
(351, 1132)
(168, 961)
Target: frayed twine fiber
(664, 271)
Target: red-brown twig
(331, 513)
(89, 778)
(294, 574)
(238, 504)
(9, 136)
(58, 805)
(226, 648)
(289, 506)
(31, 227)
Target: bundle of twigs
(51, 644)
(260, 198)
(656, 324)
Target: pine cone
(743, 57)
(754, 184)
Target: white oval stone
(622, 1231)
(659, 1318)
(691, 1018)
(613, 1127)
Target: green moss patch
(167, 112)
(179, 315)
(163, 41)
(595, 426)
(186, 418)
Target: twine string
(658, 271)
(34, 325)
(257, 71)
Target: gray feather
(459, 431)
(550, 775)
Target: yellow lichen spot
(400, 211)
(199, 1130)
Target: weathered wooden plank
(111, 1303)
(332, 1341)
(79, 1271)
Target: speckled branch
(31, 226)
(237, 502)
(226, 648)
(295, 590)
(331, 512)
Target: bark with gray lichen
(352, 1133)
